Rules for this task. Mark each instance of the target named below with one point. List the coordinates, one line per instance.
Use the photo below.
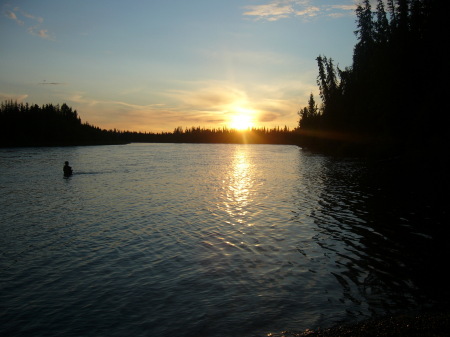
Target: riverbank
(435, 324)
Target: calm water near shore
(203, 240)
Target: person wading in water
(67, 169)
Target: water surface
(200, 240)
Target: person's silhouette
(67, 169)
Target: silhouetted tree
(389, 94)
(381, 25)
(309, 115)
(364, 33)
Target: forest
(48, 125)
(54, 125)
(392, 98)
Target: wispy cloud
(51, 83)
(339, 10)
(212, 96)
(30, 16)
(110, 114)
(273, 10)
(14, 97)
(32, 22)
(42, 33)
(13, 16)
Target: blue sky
(154, 65)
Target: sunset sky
(154, 65)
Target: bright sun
(242, 120)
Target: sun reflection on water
(239, 190)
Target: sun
(242, 120)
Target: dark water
(205, 240)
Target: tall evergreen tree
(309, 115)
(392, 13)
(381, 25)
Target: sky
(155, 65)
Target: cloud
(13, 16)
(274, 10)
(309, 11)
(42, 33)
(268, 117)
(210, 96)
(275, 111)
(52, 83)
(33, 22)
(29, 16)
(14, 97)
(121, 115)
(344, 7)
(339, 10)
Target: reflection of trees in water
(372, 240)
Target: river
(203, 240)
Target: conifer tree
(381, 25)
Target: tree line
(55, 125)
(199, 134)
(392, 97)
(48, 125)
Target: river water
(202, 240)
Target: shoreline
(427, 324)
